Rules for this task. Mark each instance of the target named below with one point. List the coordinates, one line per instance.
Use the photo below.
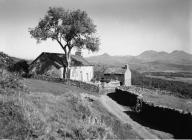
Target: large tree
(71, 29)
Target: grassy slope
(53, 111)
(50, 87)
(113, 127)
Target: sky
(125, 27)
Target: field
(185, 77)
(174, 87)
(181, 79)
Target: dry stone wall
(128, 98)
(175, 121)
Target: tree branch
(63, 47)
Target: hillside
(5, 60)
(35, 109)
(148, 61)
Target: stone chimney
(79, 52)
(126, 66)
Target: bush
(20, 67)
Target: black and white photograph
(95, 69)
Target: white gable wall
(81, 73)
(127, 77)
(61, 72)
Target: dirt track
(117, 110)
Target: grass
(10, 83)
(46, 116)
(181, 79)
(122, 131)
(53, 111)
(51, 87)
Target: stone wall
(111, 84)
(175, 121)
(119, 77)
(125, 97)
(80, 84)
(54, 72)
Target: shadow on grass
(158, 123)
(176, 124)
(122, 99)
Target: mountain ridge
(148, 60)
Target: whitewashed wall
(81, 73)
(127, 77)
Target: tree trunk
(66, 68)
(64, 73)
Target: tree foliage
(70, 28)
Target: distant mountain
(109, 60)
(148, 56)
(176, 57)
(148, 61)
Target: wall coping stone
(126, 90)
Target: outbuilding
(122, 74)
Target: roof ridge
(77, 58)
(59, 54)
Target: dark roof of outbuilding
(59, 61)
(115, 71)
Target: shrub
(21, 67)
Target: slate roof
(58, 59)
(115, 71)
